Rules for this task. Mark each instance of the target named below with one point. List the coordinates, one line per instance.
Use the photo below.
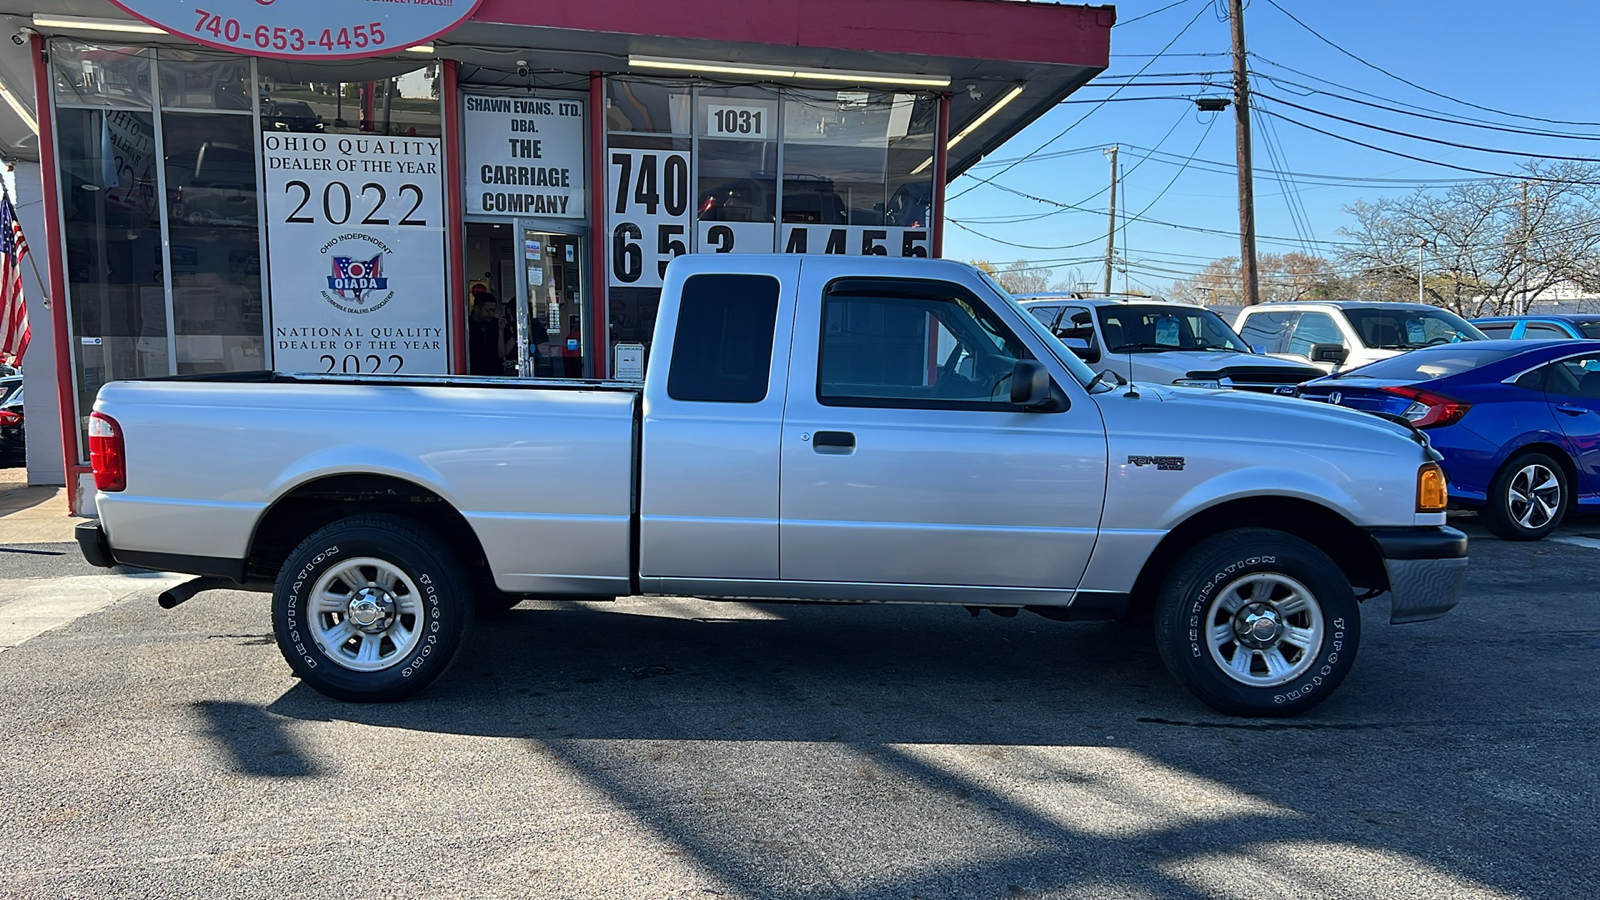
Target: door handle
(833, 442)
(1572, 410)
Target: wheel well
(317, 503)
(1350, 548)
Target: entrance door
(553, 332)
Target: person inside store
(490, 337)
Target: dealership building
(210, 194)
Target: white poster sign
(648, 214)
(355, 254)
(304, 29)
(856, 240)
(734, 237)
(524, 156)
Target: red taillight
(106, 456)
(1430, 410)
(7, 417)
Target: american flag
(14, 331)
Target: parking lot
(676, 748)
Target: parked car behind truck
(1344, 334)
(810, 428)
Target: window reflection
(99, 75)
(374, 97)
(204, 81)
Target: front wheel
(1527, 498)
(371, 608)
(1257, 622)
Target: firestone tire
(1256, 622)
(371, 608)
(1527, 499)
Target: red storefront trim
(55, 247)
(599, 301)
(941, 166)
(970, 29)
(455, 225)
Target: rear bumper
(92, 541)
(1427, 570)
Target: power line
(1406, 81)
(1464, 123)
(1181, 32)
(1154, 12)
(1419, 137)
(1422, 159)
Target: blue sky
(1535, 58)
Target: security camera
(974, 93)
(22, 35)
(522, 68)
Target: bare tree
(1022, 277)
(1285, 276)
(1488, 246)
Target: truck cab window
(939, 349)
(722, 350)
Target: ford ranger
(813, 429)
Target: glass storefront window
(192, 80)
(114, 267)
(374, 97)
(215, 242)
(850, 157)
(647, 106)
(99, 75)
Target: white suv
(1160, 342)
(1344, 334)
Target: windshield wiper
(1141, 345)
(1215, 347)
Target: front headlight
(1211, 383)
(1433, 495)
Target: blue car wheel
(1527, 498)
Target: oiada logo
(356, 283)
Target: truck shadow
(894, 752)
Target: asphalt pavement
(684, 749)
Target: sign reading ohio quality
(355, 253)
(524, 155)
(305, 29)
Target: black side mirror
(1329, 353)
(1032, 389)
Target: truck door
(904, 462)
(709, 455)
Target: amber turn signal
(1432, 493)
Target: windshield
(1434, 362)
(1155, 328)
(1408, 329)
(1067, 358)
(1590, 329)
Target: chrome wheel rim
(1264, 629)
(366, 614)
(1534, 496)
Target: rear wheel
(371, 608)
(1257, 622)
(1527, 499)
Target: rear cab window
(1268, 332)
(722, 348)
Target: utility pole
(1247, 193)
(1111, 227)
(1522, 296)
(1421, 298)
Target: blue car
(1540, 328)
(1518, 423)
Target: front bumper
(1427, 570)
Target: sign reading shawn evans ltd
(304, 29)
(355, 253)
(523, 156)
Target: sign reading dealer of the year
(524, 156)
(355, 254)
(305, 29)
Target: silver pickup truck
(824, 429)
